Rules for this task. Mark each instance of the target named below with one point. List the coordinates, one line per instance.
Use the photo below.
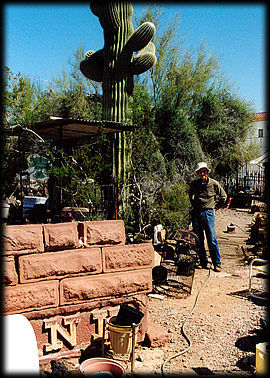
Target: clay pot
(101, 366)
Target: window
(260, 133)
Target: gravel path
(225, 326)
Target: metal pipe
(133, 347)
(103, 337)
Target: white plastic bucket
(5, 210)
(20, 346)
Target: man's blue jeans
(204, 221)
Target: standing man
(204, 193)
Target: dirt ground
(226, 323)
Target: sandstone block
(155, 335)
(127, 257)
(61, 236)
(31, 296)
(74, 329)
(27, 238)
(10, 276)
(104, 232)
(52, 265)
(75, 290)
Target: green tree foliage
(71, 95)
(168, 50)
(222, 122)
(189, 79)
(173, 206)
(23, 105)
(179, 142)
(22, 100)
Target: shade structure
(64, 131)
(68, 128)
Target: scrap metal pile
(259, 222)
(174, 276)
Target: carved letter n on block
(55, 328)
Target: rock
(59, 368)
(155, 334)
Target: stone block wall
(67, 277)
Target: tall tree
(223, 122)
(190, 78)
(168, 49)
(72, 95)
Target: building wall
(67, 277)
(252, 176)
(260, 132)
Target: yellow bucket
(262, 358)
(121, 336)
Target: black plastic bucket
(159, 274)
(186, 268)
(128, 315)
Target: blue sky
(40, 39)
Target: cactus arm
(142, 36)
(108, 14)
(92, 66)
(95, 7)
(150, 47)
(142, 63)
(144, 60)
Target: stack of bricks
(67, 277)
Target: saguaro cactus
(115, 64)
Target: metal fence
(250, 178)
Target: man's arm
(221, 193)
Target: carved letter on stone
(55, 328)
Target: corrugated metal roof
(69, 128)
